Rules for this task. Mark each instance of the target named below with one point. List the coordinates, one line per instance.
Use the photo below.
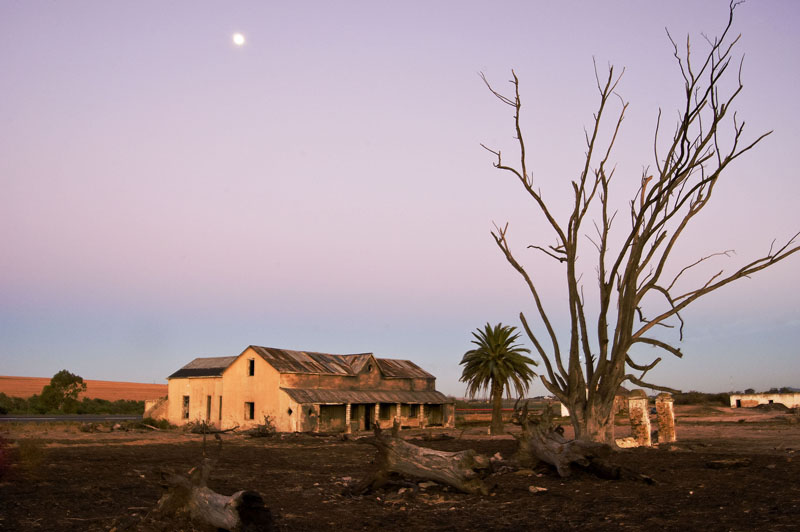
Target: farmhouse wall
(241, 388)
(263, 382)
(749, 400)
(197, 390)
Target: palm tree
(496, 364)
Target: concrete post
(376, 418)
(666, 418)
(422, 416)
(347, 428)
(639, 417)
(398, 413)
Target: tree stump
(463, 470)
(540, 440)
(244, 511)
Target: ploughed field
(108, 390)
(57, 478)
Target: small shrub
(262, 431)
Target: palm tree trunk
(497, 409)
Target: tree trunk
(243, 511)
(496, 427)
(594, 422)
(461, 470)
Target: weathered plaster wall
(261, 389)
(198, 390)
(749, 400)
(363, 381)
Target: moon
(238, 39)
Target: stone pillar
(376, 418)
(398, 412)
(639, 418)
(347, 428)
(422, 416)
(666, 418)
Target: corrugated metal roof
(288, 361)
(305, 396)
(204, 367)
(357, 362)
(394, 368)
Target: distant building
(749, 400)
(306, 392)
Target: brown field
(58, 478)
(108, 390)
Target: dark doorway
(738, 403)
(434, 415)
(369, 415)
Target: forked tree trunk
(244, 511)
(461, 470)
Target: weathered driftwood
(244, 511)
(541, 440)
(461, 470)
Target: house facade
(304, 391)
(749, 400)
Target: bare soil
(57, 478)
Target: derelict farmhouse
(304, 392)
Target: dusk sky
(166, 194)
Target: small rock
(425, 485)
(771, 466)
(526, 472)
(497, 456)
(536, 489)
(402, 490)
(626, 443)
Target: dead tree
(461, 470)
(190, 496)
(635, 290)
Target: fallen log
(541, 440)
(461, 470)
(244, 511)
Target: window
(251, 367)
(220, 408)
(385, 411)
(413, 411)
(208, 408)
(185, 410)
(249, 410)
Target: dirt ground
(57, 478)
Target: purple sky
(166, 195)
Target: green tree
(62, 392)
(496, 364)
